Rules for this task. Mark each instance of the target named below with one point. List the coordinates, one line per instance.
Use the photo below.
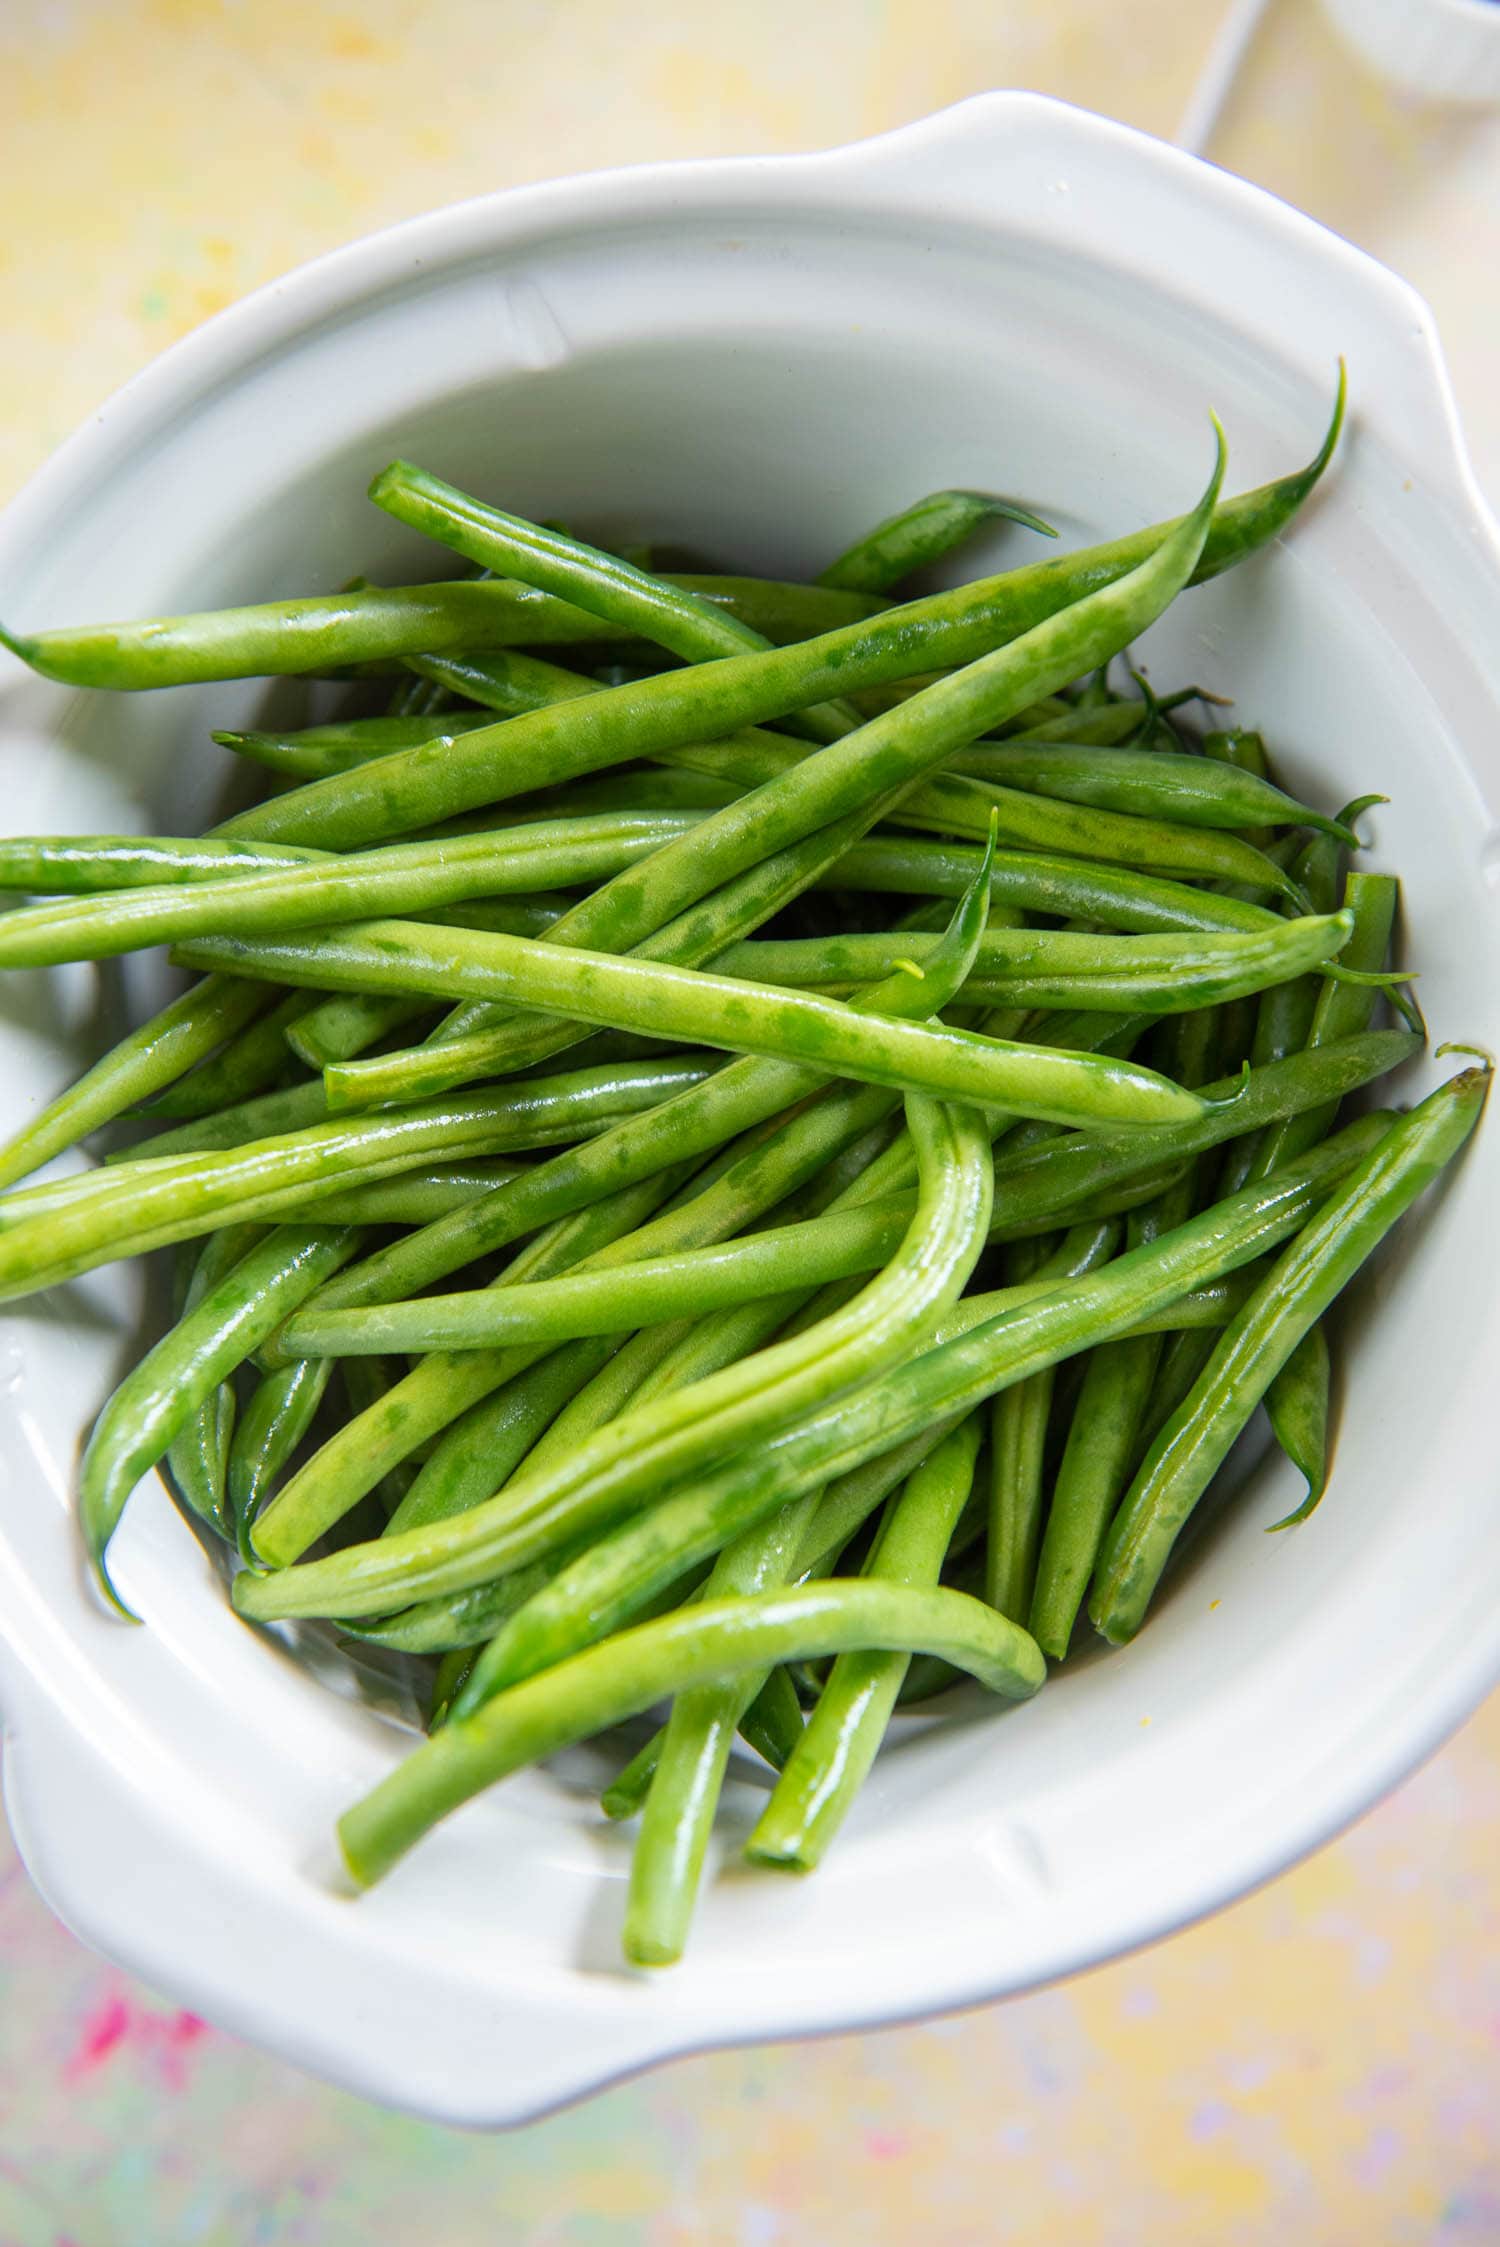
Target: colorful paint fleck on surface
(1320, 2065)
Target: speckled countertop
(1320, 2065)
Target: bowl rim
(51, 1774)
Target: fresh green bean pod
(406, 878)
(833, 1757)
(1046, 967)
(250, 1063)
(687, 1004)
(1342, 1010)
(1114, 897)
(1297, 1406)
(329, 632)
(1294, 1295)
(694, 1753)
(274, 1422)
(921, 535)
(689, 1284)
(157, 1399)
(144, 1062)
(1195, 791)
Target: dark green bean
(1342, 1009)
(1297, 1406)
(251, 1062)
(196, 1461)
(1053, 967)
(1018, 1420)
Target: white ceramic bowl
(764, 356)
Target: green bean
(408, 877)
(248, 1064)
(312, 752)
(1093, 602)
(1108, 725)
(953, 804)
(1326, 1254)
(141, 1419)
(921, 535)
(412, 1197)
(602, 584)
(1194, 791)
(335, 1029)
(274, 1422)
(1092, 1474)
(61, 865)
(771, 1725)
(833, 1757)
(1241, 749)
(269, 1114)
(463, 1463)
(1297, 1405)
(684, 1793)
(609, 1683)
(196, 1462)
(666, 909)
(1048, 1181)
(1342, 1009)
(144, 1205)
(328, 632)
(1018, 1421)
(144, 1062)
(601, 1588)
(1070, 888)
(851, 1498)
(684, 1003)
(688, 1284)
(1043, 967)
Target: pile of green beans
(808, 1123)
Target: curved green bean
(154, 1401)
(609, 1683)
(919, 536)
